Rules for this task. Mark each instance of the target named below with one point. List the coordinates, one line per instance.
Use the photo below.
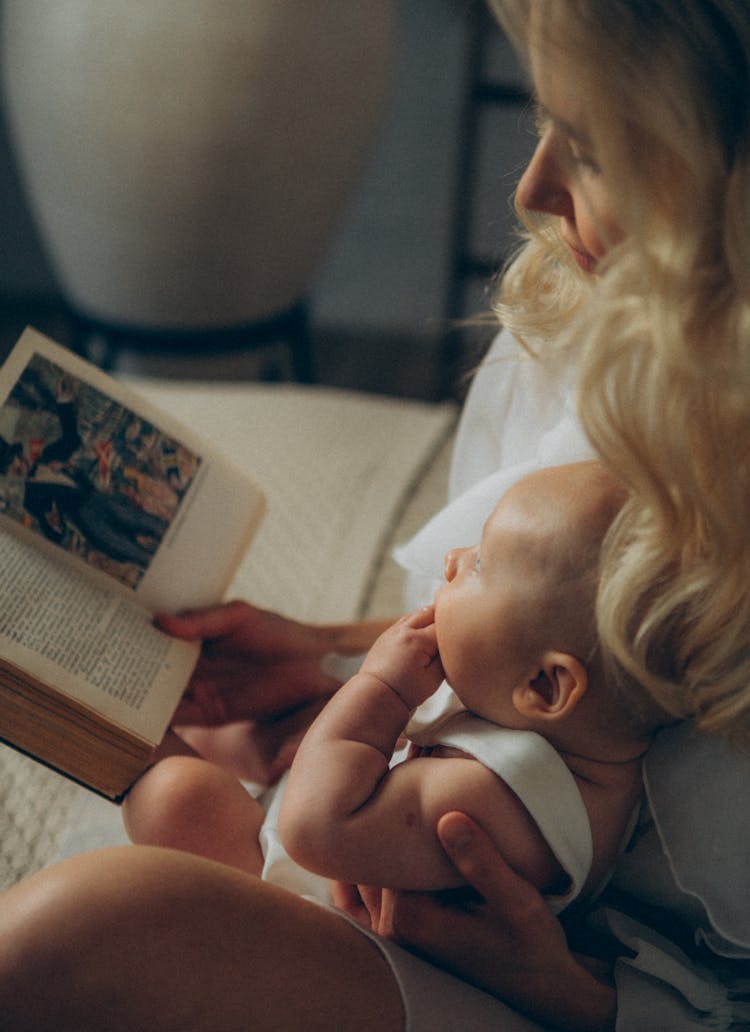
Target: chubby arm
(347, 816)
(341, 767)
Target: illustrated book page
(109, 511)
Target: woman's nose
(543, 185)
(450, 564)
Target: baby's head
(515, 620)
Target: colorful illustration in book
(87, 473)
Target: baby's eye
(477, 563)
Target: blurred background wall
(379, 301)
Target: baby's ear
(555, 691)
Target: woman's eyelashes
(582, 159)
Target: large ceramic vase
(187, 161)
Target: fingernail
(458, 838)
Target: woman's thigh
(139, 938)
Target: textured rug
(346, 476)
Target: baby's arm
(347, 816)
(345, 754)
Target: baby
(528, 736)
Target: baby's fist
(406, 657)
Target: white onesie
(530, 766)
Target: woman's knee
(172, 798)
(189, 804)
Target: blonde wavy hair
(662, 334)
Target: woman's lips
(583, 259)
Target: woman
(635, 285)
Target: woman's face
(563, 178)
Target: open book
(109, 512)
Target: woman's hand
(507, 943)
(258, 683)
(255, 664)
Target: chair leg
(301, 343)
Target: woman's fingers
(474, 855)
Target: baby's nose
(450, 564)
